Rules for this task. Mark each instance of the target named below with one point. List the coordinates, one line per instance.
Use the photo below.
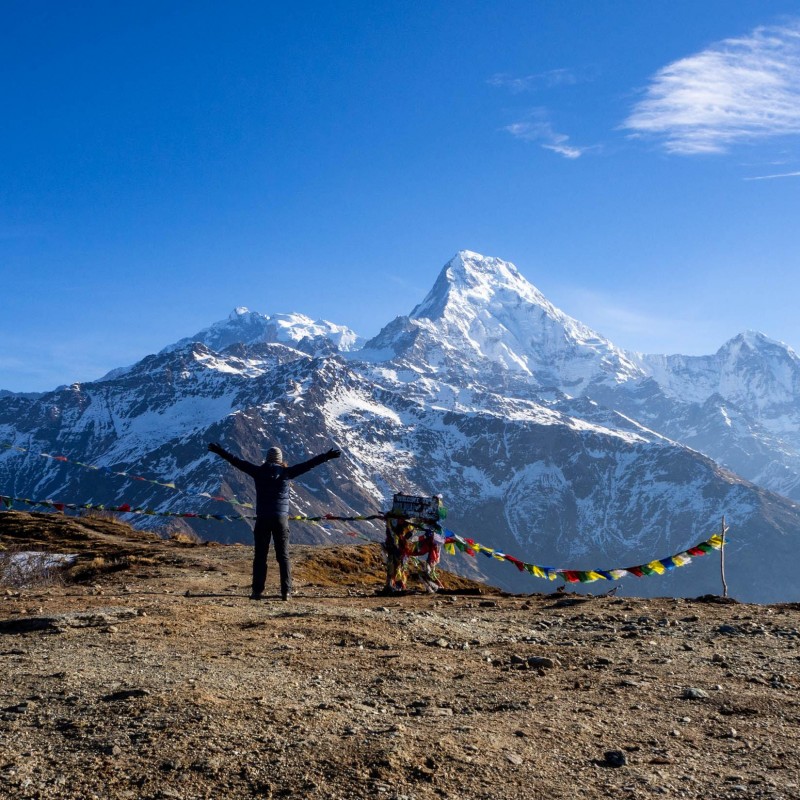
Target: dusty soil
(148, 673)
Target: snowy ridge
(249, 327)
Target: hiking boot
(256, 596)
(286, 596)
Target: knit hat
(274, 456)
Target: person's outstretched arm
(305, 466)
(239, 463)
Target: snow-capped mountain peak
(470, 279)
(243, 326)
(482, 312)
(750, 370)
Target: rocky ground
(146, 672)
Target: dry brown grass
(184, 536)
(87, 571)
(363, 565)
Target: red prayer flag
(516, 562)
(637, 571)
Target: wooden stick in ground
(722, 560)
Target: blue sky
(165, 162)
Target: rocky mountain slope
(148, 674)
(547, 441)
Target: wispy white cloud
(538, 128)
(565, 150)
(736, 91)
(528, 83)
(770, 177)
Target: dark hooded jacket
(272, 481)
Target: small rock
(728, 630)
(435, 711)
(541, 661)
(125, 694)
(514, 758)
(441, 643)
(693, 693)
(615, 758)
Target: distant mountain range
(547, 441)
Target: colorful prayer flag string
(454, 542)
(126, 508)
(103, 470)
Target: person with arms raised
(272, 510)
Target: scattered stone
(434, 711)
(728, 630)
(81, 619)
(615, 758)
(515, 759)
(125, 694)
(20, 708)
(693, 693)
(541, 662)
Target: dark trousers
(267, 529)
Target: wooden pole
(722, 560)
